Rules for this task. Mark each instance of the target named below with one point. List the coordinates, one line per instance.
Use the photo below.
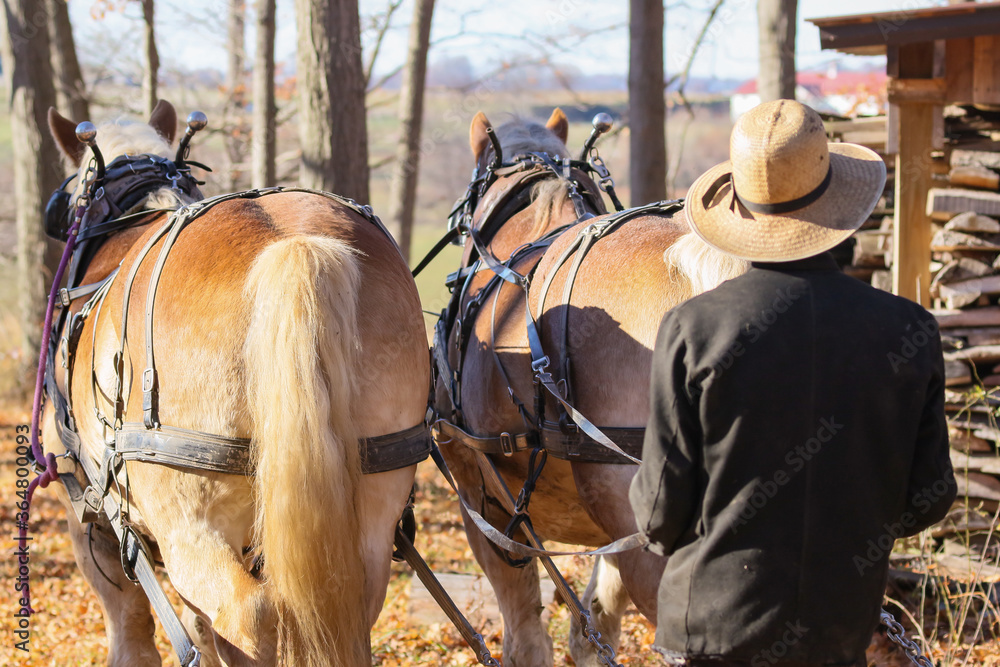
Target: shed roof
(869, 34)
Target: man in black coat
(797, 420)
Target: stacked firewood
(964, 205)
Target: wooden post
(911, 273)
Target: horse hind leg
(526, 643)
(607, 599)
(128, 619)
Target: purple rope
(50, 472)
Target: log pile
(964, 205)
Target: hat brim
(857, 180)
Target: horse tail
(701, 266)
(300, 355)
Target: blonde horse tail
(300, 357)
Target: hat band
(788, 206)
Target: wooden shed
(935, 56)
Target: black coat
(796, 427)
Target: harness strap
(539, 362)
(503, 495)
(566, 443)
(444, 601)
(68, 296)
(383, 453)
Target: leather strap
(184, 448)
(383, 453)
(505, 444)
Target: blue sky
(589, 34)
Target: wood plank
(949, 201)
(964, 443)
(911, 274)
(977, 355)
(969, 157)
(986, 69)
(978, 485)
(979, 317)
(958, 70)
(977, 286)
(916, 91)
(984, 463)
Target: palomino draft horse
(287, 320)
(603, 302)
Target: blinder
(57, 212)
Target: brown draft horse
(294, 322)
(624, 286)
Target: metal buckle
(539, 365)
(148, 377)
(64, 299)
(507, 444)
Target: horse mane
(126, 137)
(518, 136)
(700, 266)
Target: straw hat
(785, 193)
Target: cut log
(988, 464)
(966, 570)
(978, 355)
(956, 372)
(964, 442)
(973, 222)
(965, 292)
(978, 485)
(974, 177)
(944, 203)
(981, 317)
(987, 337)
(961, 520)
(947, 240)
(962, 157)
(871, 246)
(882, 280)
(990, 381)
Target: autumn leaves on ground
(68, 629)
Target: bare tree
(235, 140)
(403, 192)
(264, 109)
(646, 103)
(70, 89)
(331, 94)
(27, 72)
(776, 36)
(152, 68)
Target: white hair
(703, 266)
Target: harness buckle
(539, 365)
(507, 444)
(148, 379)
(64, 299)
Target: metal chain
(604, 652)
(898, 635)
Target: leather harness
(151, 441)
(491, 201)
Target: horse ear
(478, 138)
(164, 120)
(63, 130)
(559, 124)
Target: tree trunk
(152, 69)
(37, 169)
(776, 35)
(264, 110)
(70, 89)
(331, 90)
(403, 192)
(646, 104)
(234, 138)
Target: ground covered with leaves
(68, 628)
